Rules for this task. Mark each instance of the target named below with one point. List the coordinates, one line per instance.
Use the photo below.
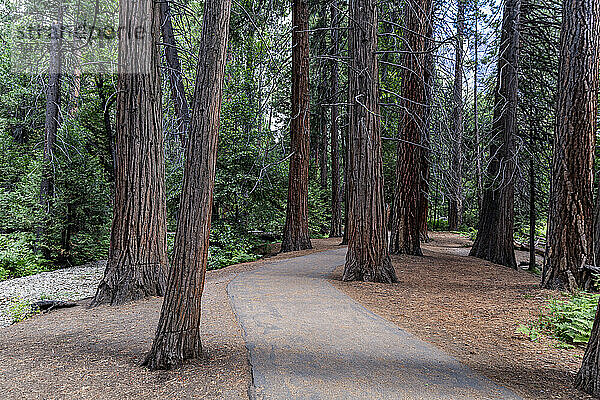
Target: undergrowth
(568, 319)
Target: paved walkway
(308, 340)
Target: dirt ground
(83, 353)
(471, 308)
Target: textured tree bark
(174, 71)
(425, 138)
(336, 195)
(455, 208)
(50, 129)
(570, 227)
(296, 235)
(323, 89)
(407, 213)
(137, 259)
(494, 240)
(367, 258)
(478, 170)
(597, 229)
(346, 158)
(532, 212)
(178, 333)
(588, 377)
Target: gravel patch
(73, 283)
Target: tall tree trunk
(494, 240)
(425, 137)
(597, 228)
(532, 212)
(408, 201)
(478, 170)
(346, 159)
(137, 259)
(296, 235)
(336, 195)
(570, 225)
(106, 102)
(174, 71)
(455, 208)
(50, 130)
(367, 258)
(178, 333)
(322, 89)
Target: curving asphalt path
(307, 340)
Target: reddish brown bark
(296, 235)
(178, 333)
(494, 240)
(570, 225)
(336, 194)
(455, 207)
(367, 258)
(137, 260)
(174, 71)
(407, 212)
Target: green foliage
(319, 211)
(17, 257)
(469, 232)
(229, 246)
(439, 225)
(19, 310)
(568, 319)
(531, 330)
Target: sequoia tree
(367, 258)
(137, 259)
(494, 240)
(51, 125)
(180, 103)
(407, 212)
(570, 225)
(296, 235)
(336, 194)
(455, 207)
(178, 333)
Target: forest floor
(84, 353)
(471, 309)
(467, 307)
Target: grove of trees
(218, 127)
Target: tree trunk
(137, 259)
(174, 71)
(478, 170)
(323, 89)
(408, 206)
(588, 377)
(425, 138)
(570, 225)
(494, 240)
(296, 235)
(346, 159)
(532, 212)
(597, 228)
(336, 195)
(455, 208)
(178, 333)
(50, 130)
(367, 258)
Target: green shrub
(569, 319)
(439, 225)
(229, 246)
(17, 257)
(469, 232)
(20, 309)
